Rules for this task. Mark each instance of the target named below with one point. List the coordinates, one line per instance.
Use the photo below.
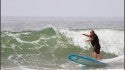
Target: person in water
(95, 43)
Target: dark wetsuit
(95, 44)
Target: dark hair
(92, 31)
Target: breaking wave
(52, 46)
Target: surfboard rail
(85, 60)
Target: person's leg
(98, 53)
(95, 55)
(98, 56)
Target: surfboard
(85, 60)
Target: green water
(39, 48)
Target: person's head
(92, 32)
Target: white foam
(119, 59)
(111, 41)
(18, 68)
(77, 38)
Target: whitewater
(45, 43)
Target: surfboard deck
(85, 60)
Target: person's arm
(89, 40)
(86, 35)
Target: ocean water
(36, 43)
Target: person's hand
(83, 34)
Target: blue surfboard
(85, 60)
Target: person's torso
(95, 40)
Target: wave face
(52, 46)
(111, 41)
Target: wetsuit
(95, 44)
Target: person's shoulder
(95, 35)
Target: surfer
(95, 43)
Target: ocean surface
(37, 43)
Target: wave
(51, 45)
(111, 40)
